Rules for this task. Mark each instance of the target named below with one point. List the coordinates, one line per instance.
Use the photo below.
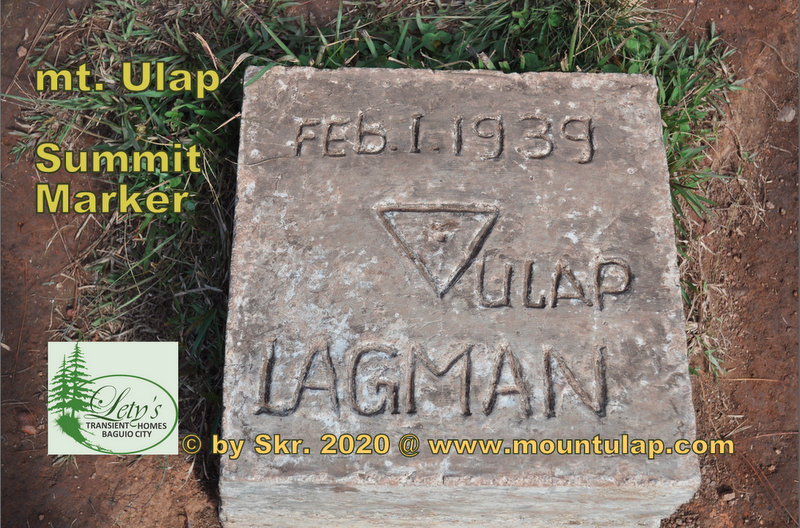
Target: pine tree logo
(71, 394)
(112, 398)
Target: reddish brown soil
(751, 260)
(751, 257)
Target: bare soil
(748, 257)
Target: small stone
(787, 114)
(729, 497)
(41, 516)
(770, 205)
(782, 211)
(21, 51)
(25, 419)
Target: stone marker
(454, 255)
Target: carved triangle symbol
(442, 240)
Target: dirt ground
(748, 259)
(750, 266)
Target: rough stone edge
(248, 504)
(641, 78)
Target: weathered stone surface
(462, 255)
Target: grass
(165, 276)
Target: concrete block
(462, 256)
